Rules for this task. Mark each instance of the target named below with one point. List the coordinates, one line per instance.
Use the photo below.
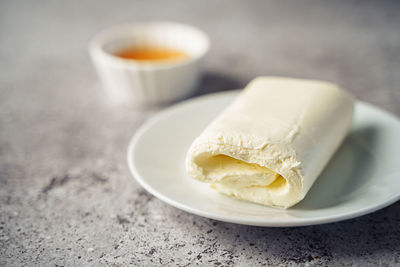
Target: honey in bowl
(153, 54)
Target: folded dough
(273, 141)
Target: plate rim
(231, 219)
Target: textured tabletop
(66, 196)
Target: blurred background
(66, 196)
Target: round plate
(363, 175)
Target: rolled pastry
(273, 141)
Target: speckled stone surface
(66, 196)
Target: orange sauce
(160, 54)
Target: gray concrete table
(66, 196)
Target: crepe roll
(270, 145)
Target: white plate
(363, 176)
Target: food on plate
(272, 142)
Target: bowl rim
(109, 34)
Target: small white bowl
(144, 82)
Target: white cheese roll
(273, 141)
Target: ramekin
(145, 82)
